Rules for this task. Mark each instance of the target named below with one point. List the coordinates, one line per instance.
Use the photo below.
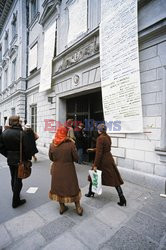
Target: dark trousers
(16, 183)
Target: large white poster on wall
(46, 68)
(77, 19)
(120, 74)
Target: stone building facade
(76, 84)
(13, 63)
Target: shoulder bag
(24, 167)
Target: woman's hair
(14, 120)
(102, 128)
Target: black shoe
(122, 202)
(17, 204)
(63, 210)
(90, 194)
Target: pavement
(104, 225)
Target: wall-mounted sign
(120, 76)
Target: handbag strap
(20, 146)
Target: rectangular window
(0, 84)
(14, 70)
(94, 14)
(0, 53)
(6, 41)
(33, 57)
(33, 9)
(13, 111)
(5, 78)
(34, 118)
(14, 28)
(77, 12)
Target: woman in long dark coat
(104, 161)
(64, 183)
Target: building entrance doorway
(85, 107)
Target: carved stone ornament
(89, 49)
(76, 79)
(12, 50)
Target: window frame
(6, 41)
(14, 69)
(33, 12)
(33, 117)
(6, 71)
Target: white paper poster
(77, 19)
(120, 74)
(46, 68)
(33, 58)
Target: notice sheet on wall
(46, 68)
(120, 74)
(33, 58)
(77, 19)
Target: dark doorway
(85, 107)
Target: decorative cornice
(76, 45)
(34, 21)
(5, 6)
(50, 7)
(86, 48)
(32, 75)
(153, 30)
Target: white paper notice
(33, 58)
(120, 74)
(32, 190)
(46, 68)
(77, 19)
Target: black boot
(18, 203)
(90, 193)
(121, 197)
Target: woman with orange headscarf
(64, 183)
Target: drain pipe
(27, 45)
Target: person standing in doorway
(70, 130)
(80, 142)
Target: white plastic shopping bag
(96, 181)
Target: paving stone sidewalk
(104, 225)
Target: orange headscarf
(60, 136)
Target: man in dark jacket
(10, 148)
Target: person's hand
(94, 168)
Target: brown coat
(64, 179)
(105, 162)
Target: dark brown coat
(105, 162)
(64, 179)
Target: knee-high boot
(90, 193)
(121, 196)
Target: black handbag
(24, 167)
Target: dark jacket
(10, 145)
(80, 138)
(31, 141)
(105, 162)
